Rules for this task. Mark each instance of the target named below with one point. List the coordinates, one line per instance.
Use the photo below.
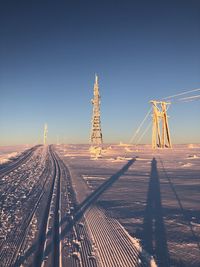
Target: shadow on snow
(154, 234)
(77, 215)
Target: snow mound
(7, 157)
(186, 165)
(193, 157)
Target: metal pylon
(160, 138)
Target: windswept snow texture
(156, 199)
(8, 153)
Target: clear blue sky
(141, 50)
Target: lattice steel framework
(96, 138)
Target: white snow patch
(137, 158)
(186, 165)
(193, 157)
(94, 177)
(119, 159)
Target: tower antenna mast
(96, 138)
(45, 134)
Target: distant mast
(45, 134)
(96, 134)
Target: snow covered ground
(156, 199)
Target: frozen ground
(153, 194)
(156, 199)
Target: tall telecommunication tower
(160, 138)
(45, 133)
(96, 134)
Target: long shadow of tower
(154, 234)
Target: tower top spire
(96, 85)
(96, 78)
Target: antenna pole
(45, 134)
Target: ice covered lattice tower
(96, 134)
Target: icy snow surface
(158, 194)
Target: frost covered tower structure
(160, 138)
(45, 134)
(96, 134)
